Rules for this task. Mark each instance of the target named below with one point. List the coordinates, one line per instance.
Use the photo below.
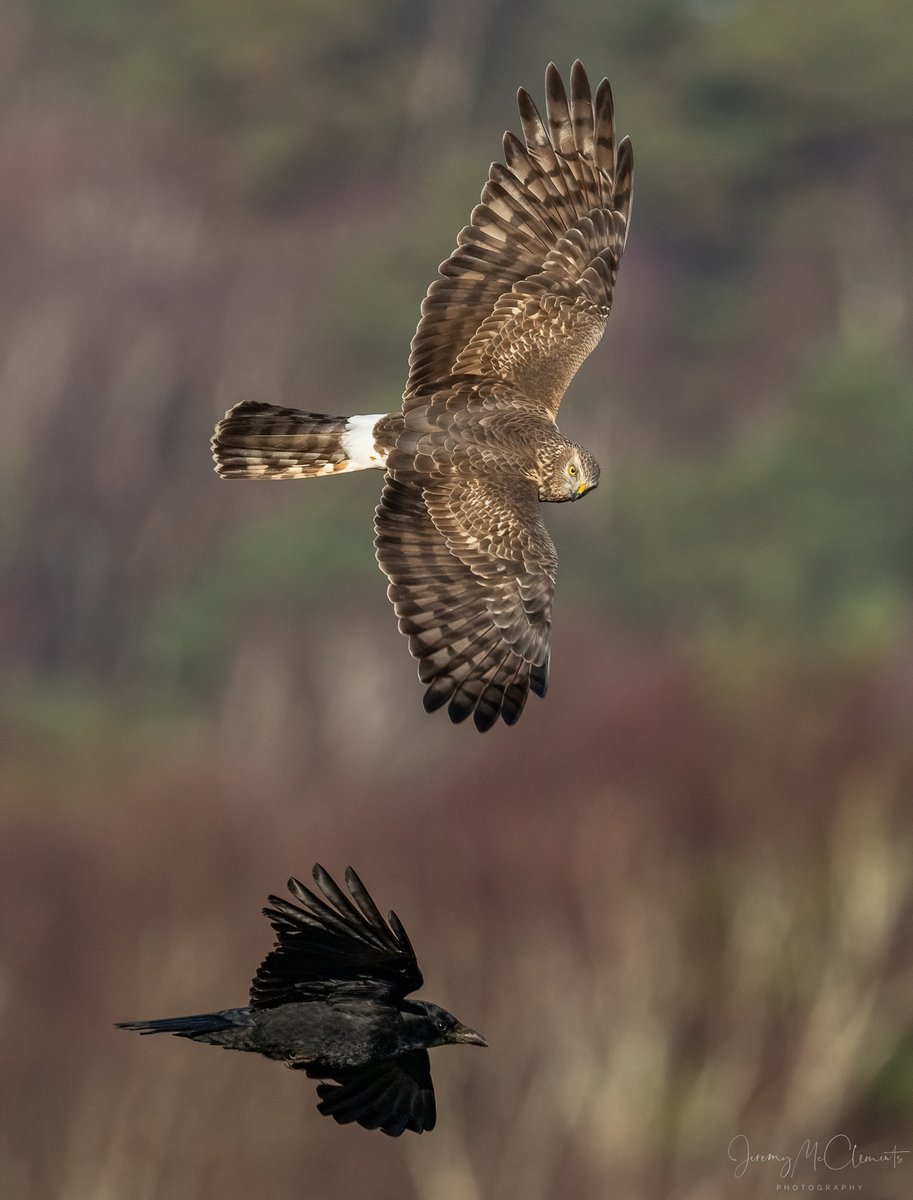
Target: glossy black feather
(329, 999)
(330, 945)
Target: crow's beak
(466, 1036)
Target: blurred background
(677, 898)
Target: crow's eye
(440, 1024)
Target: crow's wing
(392, 1095)
(333, 946)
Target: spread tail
(265, 441)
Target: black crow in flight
(329, 999)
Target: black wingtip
(484, 719)
(458, 711)
(432, 700)
(538, 678)
(554, 84)
(526, 103)
(579, 78)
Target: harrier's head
(570, 475)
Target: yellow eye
(572, 471)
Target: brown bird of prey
(519, 304)
(329, 1000)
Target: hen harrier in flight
(520, 303)
(329, 1000)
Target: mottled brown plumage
(520, 303)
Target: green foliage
(802, 534)
(280, 86)
(372, 302)
(293, 565)
(10, 505)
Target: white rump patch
(357, 442)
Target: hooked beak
(466, 1036)
(583, 489)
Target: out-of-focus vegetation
(799, 534)
(677, 897)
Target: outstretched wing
(333, 946)
(472, 576)
(526, 293)
(393, 1095)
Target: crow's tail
(198, 1026)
